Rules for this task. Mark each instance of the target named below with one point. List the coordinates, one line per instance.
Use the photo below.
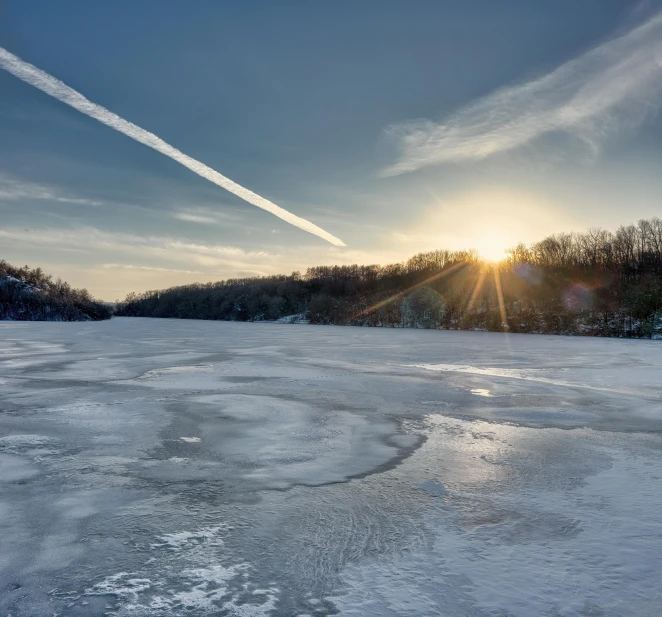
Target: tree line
(28, 294)
(596, 283)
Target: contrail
(59, 90)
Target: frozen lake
(159, 467)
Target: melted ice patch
(277, 442)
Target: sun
(494, 254)
(492, 246)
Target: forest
(598, 283)
(30, 295)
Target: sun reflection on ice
(482, 392)
(474, 453)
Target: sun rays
(499, 291)
(402, 294)
(471, 283)
(478, 287)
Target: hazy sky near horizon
(397, 127)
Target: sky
(393, 127)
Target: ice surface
(158, 467)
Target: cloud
(89, 245)
(15, 189)
(149, 269)
(57, 89)
(204, 216)
(614, 85)
(162, 248)
(194, 218)
(12, 189)
(112, 264)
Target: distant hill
(596, 283)
(30, 295)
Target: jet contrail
(57, 89)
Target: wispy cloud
(90, 245)
(98, 243)
(618, 83)
(112, 264)
(57, 89)
(189, 217)
(12, 189)
(204, 216)
(149, 269)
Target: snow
(158, 467)
(298, 318)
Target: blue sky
(398, 127)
